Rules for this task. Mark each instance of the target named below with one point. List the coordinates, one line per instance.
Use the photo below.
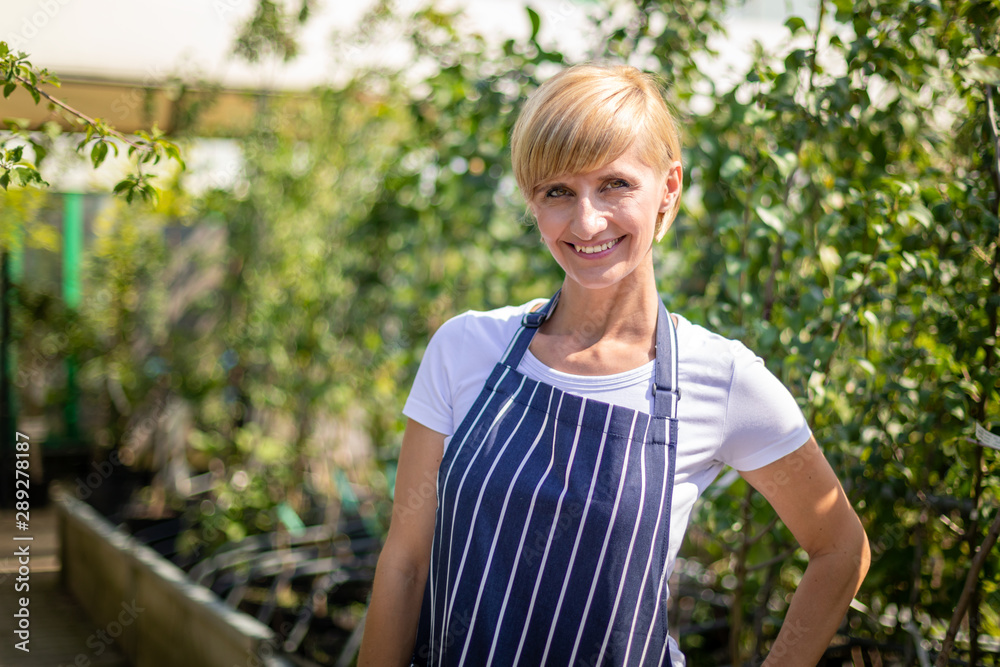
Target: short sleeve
(763, 422)
(430, 399)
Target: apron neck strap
(529, 324)
(666, 393)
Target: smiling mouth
(591, 249)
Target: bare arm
(401, 574)
(808, 497)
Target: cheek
(549, 225)
(642, 215)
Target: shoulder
(709, 356)
(754, 416)
(482, 329)
(457, 362)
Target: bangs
(577, 135)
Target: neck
(626, 311)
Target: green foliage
(844, 224)
(147, 148)
(840, 217)
(351, 247)
(271, 31)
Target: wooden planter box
(159, 618)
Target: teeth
(590, 250)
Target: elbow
(863, 556)
(847, 560)
(405, 566)
(855, 558)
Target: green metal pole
(11, 270)
(72, 253)
(8, 412)
(17, 255)
(16, 258)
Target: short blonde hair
(589, 115)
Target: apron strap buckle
(657, 387)
(534, 319)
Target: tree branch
(815, 50)
(971, 580)
(82, 116)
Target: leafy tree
(147, 148)
(841, 218)
(846, 228)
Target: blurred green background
(243, 348)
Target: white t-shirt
(732, 410)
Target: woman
(568, 439)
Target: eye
(618, 183)
(555, 191)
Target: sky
(147, 42)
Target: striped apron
(553, 523)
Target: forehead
(629, 163)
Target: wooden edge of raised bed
(157, 616)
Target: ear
(672, 182)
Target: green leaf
(40, 152)
(829, 259)
(769, 218)
(920, 214)
(981, 73)
(536, 22)
(984, 69)
(98, 153)
(869, 317)
(786, 161)
(795, 23)
(733, 165)
(8, 89)
(866, 365)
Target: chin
(595, 283)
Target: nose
(588, 219)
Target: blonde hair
(589, 115)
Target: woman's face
(599, 225)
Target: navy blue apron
(553, 524)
